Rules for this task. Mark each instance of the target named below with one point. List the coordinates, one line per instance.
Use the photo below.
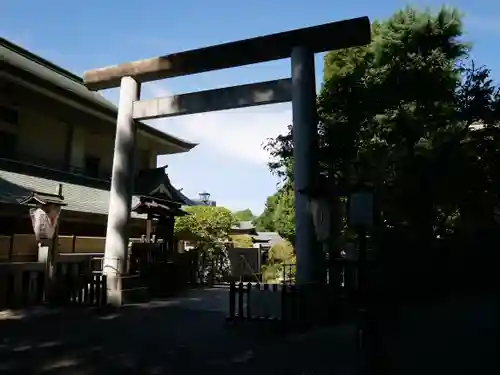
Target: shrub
(281, 252)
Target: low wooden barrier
(21, 288)
(283, 303)
(81, 290)
(291, 304)
(24, 284)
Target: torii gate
(300, 45)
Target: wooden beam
(330, 36)
(271, 92)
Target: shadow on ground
(189, 335)
(183, 336)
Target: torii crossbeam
(300, 45)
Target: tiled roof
(14, 187)
(244, 225)
(271, 237)
(151, 180)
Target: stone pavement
(179, 336)
(188, 335)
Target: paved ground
(183, 336)
(189, 335)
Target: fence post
(232, 300)
(293, 304)
(284, 309)
(241, 291)
(249, 299)
(98, 289)
(91, 290)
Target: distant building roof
(72, 85)
(244, 227)
(269, 237)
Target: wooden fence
(81, 290)
(283, 303)
(291, 304)
(26, 286)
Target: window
(8, 144)
(92, 166)
(9, 115)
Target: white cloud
(236, 133)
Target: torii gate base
(300, 45)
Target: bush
(281, 252)
(271, 273)
(242, 240)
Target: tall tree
(244, 215)
(278, 215)
(206, 226)
(412, 116)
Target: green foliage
(278, 215)
(281, 253)
(401, 115)
(271, 273)
(265, 222)
(281, 256)
(242, 240)
(207, 226)
(244, 215)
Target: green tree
(206, 226)
(278, 215)
(242, 240)
(412, 116)
(244, 215)
(281, 252)
(265, 221)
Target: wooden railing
(81, 290)
(23, 247)
(23, 285)
(283, 303)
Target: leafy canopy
(412, 116)
(242, 240)
(207, 226)
(244, 215)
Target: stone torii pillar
(305, 146)
(300, 45)
(120, 198)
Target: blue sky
(229, 162)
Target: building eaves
(16, 56)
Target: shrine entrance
(300, 45)
(155, 267)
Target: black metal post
(232, 300)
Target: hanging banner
(44, 221)
(321, 215)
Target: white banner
(321, 214)
(44, 224)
